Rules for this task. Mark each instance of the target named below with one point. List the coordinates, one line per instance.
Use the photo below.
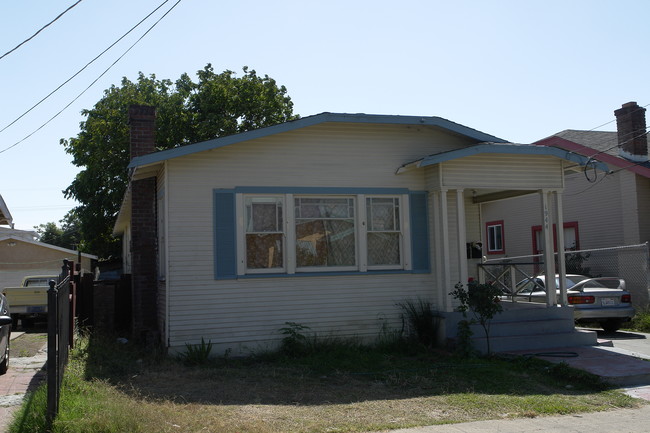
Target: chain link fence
(630, 262)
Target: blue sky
(519, 70)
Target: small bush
(196, 354)
(641, 321)
(421, 320)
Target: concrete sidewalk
(24, 374)
(624, 420)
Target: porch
(459, 182)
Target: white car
(603, 300)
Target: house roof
(72, 253)
(5, 215)
(317, 119)
(601, 145)
(510, 148)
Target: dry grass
(28, 344)
(110, 388)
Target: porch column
(549, 256)
(443, 252)
(461, 231)
(559, 218)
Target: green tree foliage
(187, 112)
(66, 236)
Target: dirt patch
(28, 344)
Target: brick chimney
(632, 137)
(144, 237)
(142, 121)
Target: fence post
(52, 352)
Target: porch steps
(529, 327)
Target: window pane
(264, 233)
(263, 214)
(324, 208)
(383, 231)
(383, 214)
(325, 232)
(383, 249)
(495, 238)
(263, 251)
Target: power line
(82, 69)
(94, 81)
(39, 30)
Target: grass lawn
(332, 386)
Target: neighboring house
(328, 221)
(21, 254)
(600, 210)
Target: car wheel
(5, 363)
(611, 325)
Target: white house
(328, 221)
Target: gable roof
(510, 148)
(601, 145)
(437, 122)
(44, 245)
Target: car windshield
(36, 282)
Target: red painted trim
(503, 237)
(588, 151)
(538, 229)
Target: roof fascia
(50, 246)
(311, 121)
(516, 149)
(588, 151)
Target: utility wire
(40, 30)
(82, 69)
(91, 84)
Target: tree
(186, 112)
(66, 236)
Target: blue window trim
(225, 229)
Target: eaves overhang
(317, 119)
(5, 215)
(505, 148)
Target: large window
(285, 231)
(325, 232)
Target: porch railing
(629, 262)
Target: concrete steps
(526, 327)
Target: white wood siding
(643, 200)
(245, 314)
(501, 171)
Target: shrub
(198, 354)
(422, 322)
